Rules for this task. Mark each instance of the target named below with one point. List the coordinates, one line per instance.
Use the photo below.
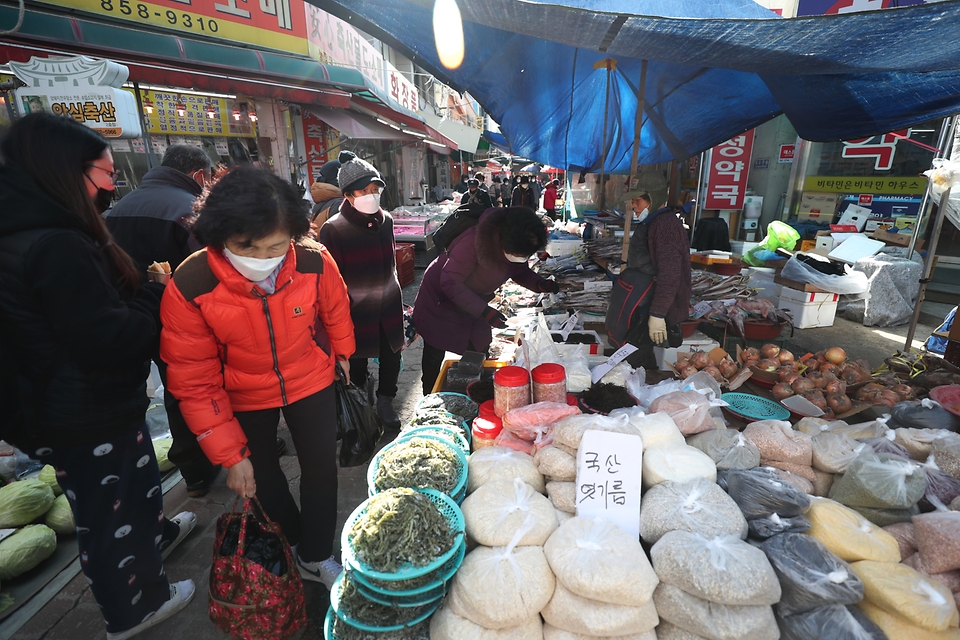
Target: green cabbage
(161, 448)
(23, 502)
(49, 475)
(60, 517)
(25, 549)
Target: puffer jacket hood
(321, 192)
(26, 207)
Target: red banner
(315, 144)
(728, 170)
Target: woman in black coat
(78, 331)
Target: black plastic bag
(358, 426)
(261, 546)
(912, 413)
(762, 492)
(832, 622)
(810, 575)
(763, 528)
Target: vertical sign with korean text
(273, 24)
(608, 478)
(333, 41)
(315, 144)
(728, 171)
(401, 89)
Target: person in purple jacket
(452, 312)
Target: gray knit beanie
(356, 174)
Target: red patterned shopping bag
(255, 588)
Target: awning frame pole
(603, 150)
(945, 148)
(635, 158)
(701, 193)
(143, 122)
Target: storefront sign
(872, 185)
(880, 149)
(786, 153)
(608, 478)
(314, 144)
(761, 163)
(889, 206)
(865, 199)
(823, 7)
(401, 89)
(273, 24)
(333, 41)
(728, 171)
(196, 119)
(86, 89)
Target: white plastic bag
(699, 506)
(496, 511)
(577, 365)
(852, 283)
(491, 463)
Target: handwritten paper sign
(569, 325)
(618, 356)
(608, 478)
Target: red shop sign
(314, 142)
(727, 177)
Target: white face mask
(643, 214)
(253, 269)
(515, 258)
(369, 203)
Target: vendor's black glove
(548, 286)
(494, 318)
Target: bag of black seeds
(763, 528)
(761, 492)
(831, 622)
(810, 576)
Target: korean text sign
(608, 478)
(728, 171)
(273, 24)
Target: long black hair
(248, 204)
(522, 232)
(54, 151)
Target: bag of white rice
(656, 429)
(502, 587)
(569, 430)
(550, 632)
(563, 516)
(714, 621)
(492, 463)
(669, 631)
(563, 495)
(600, 561)
(556, 464)
(699, 506)
(496, 511)
(724, 569)
(570, 612)
(446, 625)
(677, 462)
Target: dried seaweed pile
(607, 397)
(343, 631)
(356, 606)
(458, 405)
(421, 463)
(400, 527)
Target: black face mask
(102, 200)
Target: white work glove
(658, 330)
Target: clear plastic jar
(550, 383)
(485, 431)
(511, 389)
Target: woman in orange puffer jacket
(257, 323)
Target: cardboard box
(897, 239)
(809, 310)
(818, 206)
(797, 286)
(874, 223)
(825, 242)
(808, 245)
(856, 216)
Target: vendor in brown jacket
(659, 247)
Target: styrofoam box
(697, 341)
(741, 247)
(809, 309)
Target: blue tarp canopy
(716, 68)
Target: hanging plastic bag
(358, 426)
(810, 576)
(853, 282)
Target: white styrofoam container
(740, 247)
(563, 248)
(697, 341)
(809, 310)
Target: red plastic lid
(487, 427)
(572, 400)
(487, 410)
(549, 373)
(511, 377)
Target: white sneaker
(180, 595)
(325, 571)
(186, 520)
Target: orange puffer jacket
(230, 347)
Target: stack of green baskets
(427, 399)
(448, 438)
(422, 586)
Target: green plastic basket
(448, 508)
(439, 579)
(754, 407)
(444, 431)
(403, 602)
(336, 591)
(459, 490)
(416, 409)
(329, 621)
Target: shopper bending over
(78, 329)
(451, 312)
(255, 324)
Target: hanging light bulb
(211, 111)
(147, 105)
(448, 33)
(181, 108)
(236, 114)
(252, 114)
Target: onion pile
(696, 361)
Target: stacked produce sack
(783, 448)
